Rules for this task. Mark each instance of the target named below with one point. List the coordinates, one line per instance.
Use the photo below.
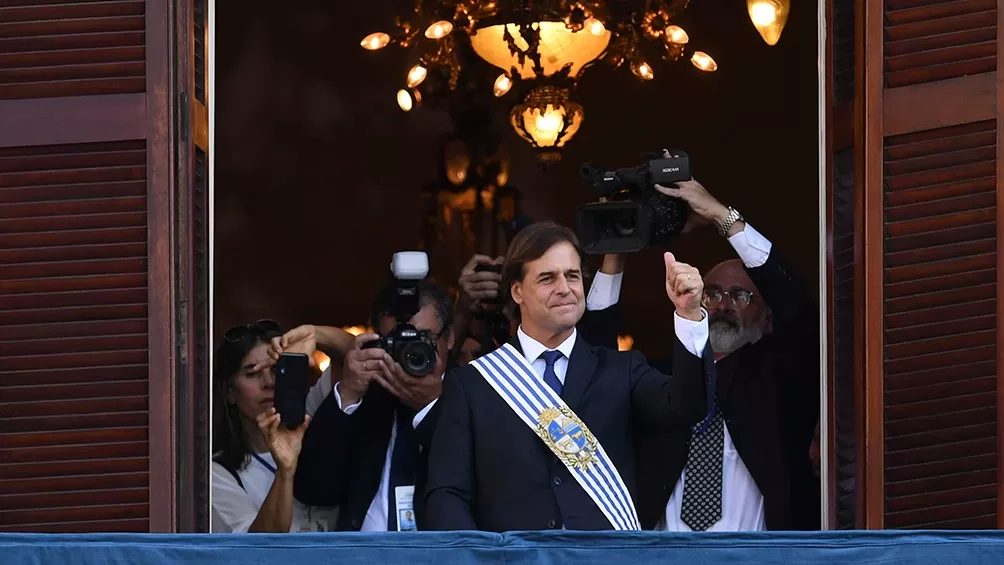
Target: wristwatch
(730, 220)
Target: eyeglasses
(264, 326)
(738, 298)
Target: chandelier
(541, 48)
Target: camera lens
(418, 358)
(624, 225)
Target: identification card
(404, 498)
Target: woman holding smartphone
(255, 457)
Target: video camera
(635, 215)
(413, 349)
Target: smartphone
(291, 388)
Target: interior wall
(317, 170)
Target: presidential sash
(562, 431)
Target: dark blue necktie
(402, 464)
(550, 377)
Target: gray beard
(726, 338)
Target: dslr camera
(635, 215)
(413, 349)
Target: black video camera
(635, 215)
(413, 349)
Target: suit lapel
(581, 369)
(725, 370)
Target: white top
(742, 501)
(234, 509)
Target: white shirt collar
(533, 348)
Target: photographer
(363, 451)
(254, 456)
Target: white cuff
(753, 248)
(338, 398)
(693, 335)
(604, 292)
(417, 420)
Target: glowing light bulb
(595, 26)
(502, 85)
(676, 34)
(416, 75)
(375, 41)
(404, 100)
(703, 61)
(763, 13)
(643, 71)
(439, 30)
(548, 126)
(769, 17)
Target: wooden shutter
(87, 194)
(842, 280)
(927, 154)
(192, 418)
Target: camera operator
(364, 451)
(485, 324)
(749, 469)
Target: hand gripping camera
(635, 215)
(413, 349)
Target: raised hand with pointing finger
(685, 288)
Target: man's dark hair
(428, 293)
(530, 244)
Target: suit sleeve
(662, 400)
(322, 468)
(450, 479)
(423, 435)
(600, 327)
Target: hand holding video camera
(480, 279)
(633, 214)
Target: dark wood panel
(47, 121)
(965, 45)
(33, 64)
(88, 526)
(940, 103)
(940, 354)
(74, 345)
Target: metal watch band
(730, 220)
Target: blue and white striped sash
(564, 433)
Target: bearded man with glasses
(748, 466)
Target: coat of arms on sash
(567, 436)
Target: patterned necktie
(550, 377)
(702, 487)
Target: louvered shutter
(924, 389)
(87, 273)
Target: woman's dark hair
(530, 244)
(230, 445)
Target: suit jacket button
(556, 481)
(551, 523)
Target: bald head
(732, 323)
(729, 275)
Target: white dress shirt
(234, 508)
(742, 501)
(604, 292)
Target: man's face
(550, 296)
(427, 318)
(733, 322)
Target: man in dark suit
(751, 470)
(539, 434)
(363, 450)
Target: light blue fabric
(530, 548)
